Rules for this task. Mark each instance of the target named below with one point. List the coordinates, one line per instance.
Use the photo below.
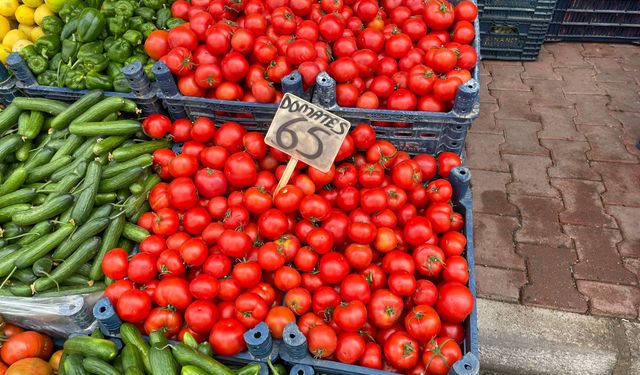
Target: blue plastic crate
(516, 9)
(8, 88)
(615, 21)
(144, 93)
(509, 39)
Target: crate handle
(460, 177)
(467, 365)
(325, 91)
(137, 78)
(259, 341)
(302, 370)
(503, 29)
(106, 316)
(466, 97)
(20, 69)
(292, 83)
(295, 343)
(165, 79)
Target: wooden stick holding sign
(307, 133)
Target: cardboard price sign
(307, 132)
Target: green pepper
(114, 69)
(135, 22)
(55, 61)
(108, 8)
(96, 63)
(28, 51)
(250, 369)
(94, 3)
(134, 58)
(125, 8)
(118, 25)
(69, 28)
(90, 25)
(147, 28)
(109, 41)
(93, 48)
(37, 64)
(147, 14)
(69, 49)
(205, 348)
(71, 9)
(148, 70)
(52, 25)
(74, 79)
(173, 22)
(162, 15)
(48, 45)
(133, 37)
(48, 78)
(277, 369)
(119, 51)
(97, 81)
(121, 84)
(153, 4)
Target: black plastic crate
(509, 39)
(614, 21)
(516, 9)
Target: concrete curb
(516, 339)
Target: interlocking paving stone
(522, 138)
(530, 175)
(580, 81)
(592, 110)
(623, 97)
(486, 122)
(582, 202)
(540, 221)
(482, 152)
(570, 160)
(514, 105)
(489, 193)
(610, 299)
(494, 244)
(607, 144)
(557, 123)
(622, 181)
(567, 54)
(548, 93)
(627, 218)
(498, 283)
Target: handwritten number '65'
(292, 142)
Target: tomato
(422, 323)
(398, 45)
(371, 175)
(181, 131)
(439, 14)
(257, 200)
(173, 291)
(446, 162)
(445, 89)
(133, 306)
(157, 44)
(283, 20)
(234, 244)
(402, 99)
(251, 309)
(240, 170)
(455, 302)
(170, 263)
(234, 66)
(308, 321)
(346, 176)
(202, 56)
(453, 330)
(333, 267)
(12, 329)
(429, 260)
(270, 257)
(218, 41)
(463, 32)
(183, 165)
(230, 136)
(421, 80)
(298, 300)
(182, 36)
(194, 251)
(114, 264)
(322, 341)
(402, 283)
(112, 292)
(227, 337)
(210, 183)
(467, 58)
(372, 356)
(385, 308)
(417, 230)
(331, 27)
(320, 240)
(324, 300)
(315, 208)
(456, 270)
(453, 243)
(401, 351)
(23, 345)
(156, 125)
(168, 321)
(287, 278)
(142, 268)
(382, 86)
(290, 246)
(278, 318)
(466, 11)
(441, 59)
(354, 287)
(415, 28)
(227, 91)
(347, 95)
(440, 354)
(272, 224)
(247, 274)
(350, 346)
(180, 61)
(362, 233)
(359, 256)
(182, 195)
(153, 245)
(306, 259)
(201, 315)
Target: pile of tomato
(392, 54)
(366, 258)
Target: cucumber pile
(96, 355)
(73, 181)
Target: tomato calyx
(390, 311)
(407, 349)
(437, 352)
(433, 259)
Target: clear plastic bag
(55, 316)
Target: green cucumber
(161, 360)
(110, 239)
(133, 371)
(92, 347)
(123, 180)
(42, 267)
(76, 109)
(19, 289)
(19, 196)
(34, 125)
(136, 188)
(69, 168)
(7, 249)
(124, 153)
(126, 244)
(72, 143)
(131, 107)
(45, 211)
(136, 203)
(84, 232)
(85, 150)
(100, 212)
(131, 336)
(7, 261)
(41, 229)
(134, 232)
(88, 190)
(111, 117)
(76, 280)
(101, 109)
(105, 198)
(68, 182)
(189, 356)
(9, 117)
(72, 364)
(6, 213)
(73, 290)
(50, 106)
(105, 145)
(99, 367)
(39, 199)
(23, 122)
(114, 169)
(131, 358)
(192, 370)
(9, 145)
(22, 154)
(14, 181)
(84, 270)
(118, 127)
(39, 157)
(41, 247)
(25, 275)
(42, 172)
(10, 230)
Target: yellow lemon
(4, 53)
(20, 44)
(55, 5)
(25, 28)
(4, 27)
(41, 12)
(8, 7)
(12, 37)
(24, 15)
(36, 33)
(32, 3)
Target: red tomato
(170, 322)
(445, 89)
(322, 341)
(466, 11)
(385, 308)
(398, 45)
(247, 274)
(331, 27)
(156, 125)
(333, 267)
(234, 244)
(439, 14)
(133, 306)
(182, 36)
(227, 338)
(446, 162)
(455, 302)
(113, 291)
(179, 61)
(201, 315)
(426, 293)
(298, 300)
(278, 318)
(251, 309)
(440, 354)
(422, 323)
(350, 347)
(401, 351)
(115, 263)
(157, 44)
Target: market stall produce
(26, 352)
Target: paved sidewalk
(556, 180)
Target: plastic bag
(55, 316)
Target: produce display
(366, 258)
(89, 42)
(73, 176)
(392, 54)
(26, 352)
(22, 23)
